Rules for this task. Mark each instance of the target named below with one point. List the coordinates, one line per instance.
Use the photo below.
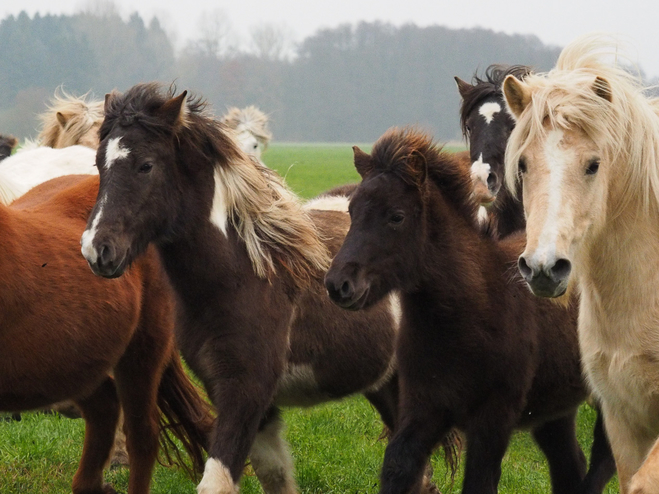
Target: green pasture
(336, 446)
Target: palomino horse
(247, 263)
(30, 167)
(586, 148)
(476, 350)
(64, 330)
(250, 126)
(7, 145)
(486, 125)
(70, 120)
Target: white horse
(30, 167)
(586, 147)
(250, 128)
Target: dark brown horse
(247, 262)
(486, 124)
(476, 350)
(63, 331)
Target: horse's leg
(567, 464)
(602, 464)
(646, 479)
(100, 411)
(271, 458)
(628, 444)
(487, 440)
(241, 394)
(385, 401)
(421, 428)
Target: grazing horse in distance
(64, 331)
(487, 125)
(476, 350)
(250, 126)
(7, 145)
(71, 120)
(586, 151)
(247, 263)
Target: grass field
(335, 446)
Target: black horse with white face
(486, 124)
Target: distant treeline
(348, 84)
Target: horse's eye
(468, 129)
(256, 146)
(145, 167)
(396, 219)
(593, 166)
(521, 165)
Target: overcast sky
(555, 22)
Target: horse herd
(411, 287)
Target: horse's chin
(542, 286)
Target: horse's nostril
(105, 253)
(346, 289)
(561, 270)
(524, 268)
(491, 180)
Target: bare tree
(272, 41)
(215, 33)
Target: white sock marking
(217, 479)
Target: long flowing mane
(626, 128)
(250, 119)
(487, 87)
(269, 218)
(81, 115)
(393, 152)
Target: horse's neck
(618, 275)
(508, 213)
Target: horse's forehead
(489, 110)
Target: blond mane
(626, 129)
(81, 118)
(249, 119)
(270, 220)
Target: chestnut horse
(586, 148)
(63, 331)
(476, 350)
(247, 263)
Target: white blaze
(488, 110)
(114, 151)
(480, 170)
(87, 241)
(556, 160)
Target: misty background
(343, 84)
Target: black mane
(489, 86)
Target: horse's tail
(185, 415)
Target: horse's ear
(362, 161)
(174, 110)
(61, 118)
(463, 87)
(417, 165)
(517, 95)
(602, 89)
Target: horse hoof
(108, 489)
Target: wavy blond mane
(626, 129)
(271, 221)
(249, 119)
(83, 118)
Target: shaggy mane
(81, 117)
(392, 152)
(268, 217)
(626, 129)
(249, 119)
(487, 87)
